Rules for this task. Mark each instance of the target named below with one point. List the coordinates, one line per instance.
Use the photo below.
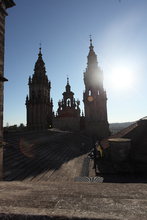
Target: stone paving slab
(82, 200)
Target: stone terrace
(45, 156)
(42, 173)
(79, 200)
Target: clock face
(90, 98)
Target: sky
(119, 34)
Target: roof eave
(3, 79)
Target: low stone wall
(119, 149)
(67, 124)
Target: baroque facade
(39, 104)
(68, 113)
(68, 106)
(95, 98)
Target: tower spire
(39, 68)
(92, 57)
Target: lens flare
(122, 78)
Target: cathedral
(68, 117)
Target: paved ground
(82, 200)
(49, 174)
(45, 156)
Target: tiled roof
(125, 131)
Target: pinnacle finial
(91, 46)
(67, 80)
(67, 87)
(40, 48)
(90, 36)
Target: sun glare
(122, 78)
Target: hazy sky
(119, 33)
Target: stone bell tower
(95, 98)
(39, 104)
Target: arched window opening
(89, 93)
(68, 102)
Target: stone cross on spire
(91, 46)
(90, 36)
(40, 48)
(67, 80)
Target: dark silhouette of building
(137, 153)
(95, 98)
(39, 104)
(68, 113)
(68, 107)
(4, 4)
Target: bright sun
(122, 78)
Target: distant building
(95, 98)
(39, 104)
(68, 113)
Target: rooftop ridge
(125, 131)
